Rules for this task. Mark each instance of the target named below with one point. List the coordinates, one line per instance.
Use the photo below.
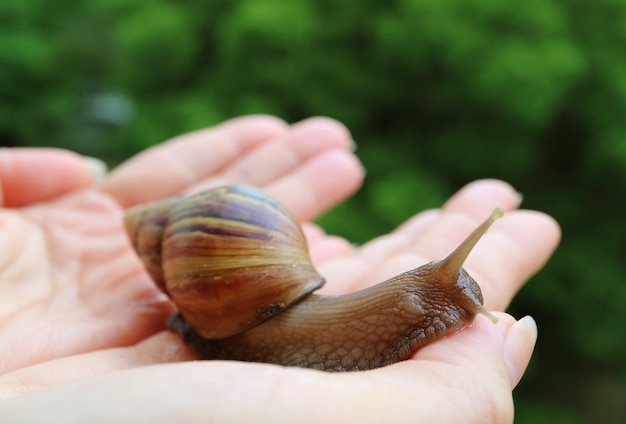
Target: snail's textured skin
(235, 263)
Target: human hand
(77, 326)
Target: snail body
(235, 263)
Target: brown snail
(235, 262)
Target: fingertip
(480, 197)
(537, 222)
(493, 185)
(323, 129)
(524, 241)
(548, 224)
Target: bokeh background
(437, 94)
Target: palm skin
(80, 319)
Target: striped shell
(230, 258)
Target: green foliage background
(436, 93)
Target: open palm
(79, 316)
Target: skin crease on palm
(81, 325)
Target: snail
(235, 262)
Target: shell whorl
(231, 257)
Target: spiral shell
(230, 258)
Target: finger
(461, 214)
(515, 248)
(429, 235)
(377, 260)
(271, 160)
(172, 167)
(470, 200)
(28, 176)
(318, 184)
(480, 197)
(467, 382)
(309, 168)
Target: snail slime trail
(235, 262)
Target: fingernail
(518, 347)
(97, 166)
(354, 146)
(520, 199)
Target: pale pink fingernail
(97, 166)
(518, 347)
(520, 199)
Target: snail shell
(230, 258)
